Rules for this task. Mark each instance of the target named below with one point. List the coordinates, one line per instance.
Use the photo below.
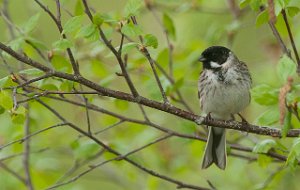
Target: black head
(214, 56)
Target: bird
(223, 90)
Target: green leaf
(31, 72)
(37, 43)
(150, 40)
(269, 117)
(73, 24)
(85, 150)
(127, 47)
(132, 8)
(244, 3)
(79, 9)
(286, 124)
(66, 86)
(62, 44)
(2, 110)
(262, 18)
(6, 100)
(264, 146)
(3, 81)
(86, 31)
(131, 30)
(285, 68)
(30, 25)
(293, 157)
(255, 4)
(98, 19)
(292, 11)
(169, 25)
(122, 105)
(60, 63)
(265, 95)
(264, 160)
(17, 43)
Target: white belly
(222, 100)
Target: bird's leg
(208, 117)
(243, 119)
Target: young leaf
(32, 72)
(60, 63)
(286, 124)
(262, 18)
(6, 100)
(37, 43)
(79, 9)
(73, 24)
(131, 30)
(264, 94)
(86, 31)
(292, 11)
(285, 68)
(269, 117)
(127, 47)
(98, 19)
(255, 4)
(150, 40)
(62, 44)
(293, 157)
(132, 7)
(30, 25)
(169, 25)
(244, 3)
(264, 146)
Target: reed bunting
(224, 90)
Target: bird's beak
(201, 59)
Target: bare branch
(291, 39)
(26, 158)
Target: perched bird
(224, 90)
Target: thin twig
(118, 158)
(78, 164)
(31, 135)
(26, 157)
(291, 39)
(13, 173)
(60, 28)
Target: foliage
(62, 129)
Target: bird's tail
(215, 151)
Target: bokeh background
(198, 24)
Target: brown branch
(109, 149)
(13, 173)
(21, 154)
(31, 135)
(26, 157)
(118, 158)
(60, 28)
(262, 130)
(291, 39)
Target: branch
(12, 172)
(27, 151)
(118, 158)
(60, 28)
(291, 39)
(261, 130)
(109, 149)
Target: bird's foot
(243, 119)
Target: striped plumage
(224, 89)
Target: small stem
(291, 39)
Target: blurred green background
(197, 24)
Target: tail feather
(215, 151)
